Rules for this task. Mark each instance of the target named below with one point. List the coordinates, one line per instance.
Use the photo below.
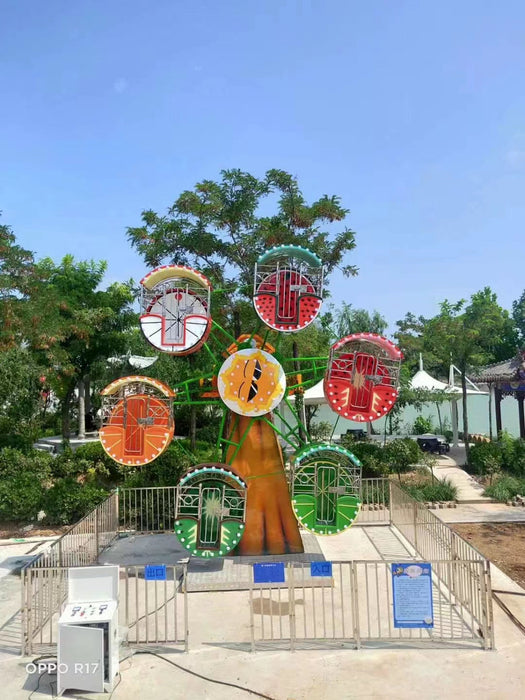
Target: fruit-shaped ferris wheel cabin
(210, 510)
(137, 419)
(288, 287)
(362, 377)
(175, 303)
(325, 486)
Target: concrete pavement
(469, 491)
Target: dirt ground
(17, 530)
(502, 543)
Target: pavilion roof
(506, 371)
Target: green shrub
(506, 447)
(21, 496)
(505, 488)
(517, 465)
(68, 501)
(423, 425)
(14, 462)
(505, 453)
(482, 456)
(166, 470)
(432, 491)
(371, 457)
(99, 460)
(320, 432)
(400, 455)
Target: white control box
(88, 645)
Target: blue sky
(412, 112)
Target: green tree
(221, 228)
(518, 315)
(218, 228)
(89, 325)
(410, 339)
(20, 398)
(20, 289)
(470, 335)
(348, 320)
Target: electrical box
(88, 645)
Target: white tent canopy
(423, 380)
(314, 395)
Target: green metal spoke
(300, 424)
(335, 426)
(241, 441)
(223, 331)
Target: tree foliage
(20, 285)
(467, 335)
(89, 324)
(20, 398)
(220, 228)
(518, 315)
(347, 320)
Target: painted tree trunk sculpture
(271, 526)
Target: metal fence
(432, 539)
(82, 543)
(154, 612)
(147, 509)
(152, 508)
(354, 605)
(44, 578)
(375, 497)
(44, 590)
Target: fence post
(60, 562)
(453, 558)
(291, 605)
(488, 636)
(97, 534)
(117, 512)
(355, 605)
(414, 519)
(252, 621)
(185, 589)
(23, 610)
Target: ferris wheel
(247, 499)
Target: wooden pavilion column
(520, 395)
(497, 406)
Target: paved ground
(307, 674)
(472, 507)
(481, 513)
(468, 489)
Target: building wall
(478, 415)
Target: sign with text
(320, 568)
(155, 572)
(271, 572)
(412, 594)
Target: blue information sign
(320, 568)
(271, 572)
(155, 572)
(412, 594)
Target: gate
(355, 605)
(154, 611)
(150, 611)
